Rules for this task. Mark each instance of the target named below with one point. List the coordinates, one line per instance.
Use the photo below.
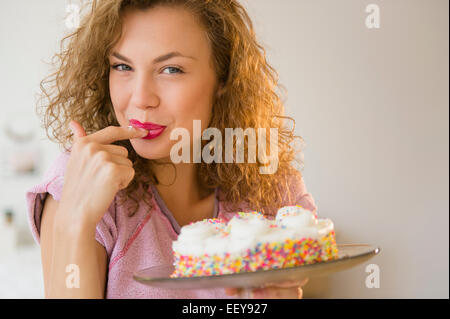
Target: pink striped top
(141, 241)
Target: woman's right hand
(95, 172)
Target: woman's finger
(113, 134)
(115, 149)
(230, 291)
(278, 293)
(288, 284)
(77, 129)
(239, 293)
(119, 160)
(291, 286)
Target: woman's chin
(150, 151)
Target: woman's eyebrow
(158, 59)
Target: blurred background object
(20, 155)
(8, 232)
(20, 264)
(370, 103)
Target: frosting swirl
(245, 230)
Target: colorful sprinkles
(288, 253)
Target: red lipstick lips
(154, 130)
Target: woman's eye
(118, 67)
(124, 67)
(172, 68)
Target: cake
(250, 242)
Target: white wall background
(371, 104)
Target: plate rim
(375, 251)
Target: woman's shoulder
(53, 178)
(52, 181)
(58, 165)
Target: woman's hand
(95, 172)
(285, 290)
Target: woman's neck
(179, 188)
(180, 181)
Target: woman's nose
(145, 93)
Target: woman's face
(150, 82)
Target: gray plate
(349, 256)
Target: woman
(114, 201)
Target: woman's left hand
(285, 290)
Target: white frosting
(246, 230)
(251, 225)
(192, 238)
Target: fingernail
(144, 132)
(136, 129)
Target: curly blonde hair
(79, 90)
